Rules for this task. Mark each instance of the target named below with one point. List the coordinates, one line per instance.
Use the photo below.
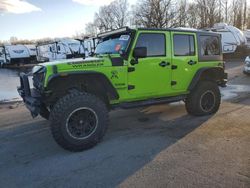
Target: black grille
(38, 79)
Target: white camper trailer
(32, 52)
(2, 56)
(89, 44)
(232, 38)
(60, 49)
(17, 54)
(247, 35)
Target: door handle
(164, 64)
(191, 62)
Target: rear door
(184, 59)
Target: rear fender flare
(209, 73)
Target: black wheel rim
(207, 102)
(82, 123)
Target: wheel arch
(215, 74)
(88, 81)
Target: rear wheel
(79, 121)
(204, 99)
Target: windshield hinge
(131, 69)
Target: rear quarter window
(209, 47)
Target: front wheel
(79, 121)
(204, 99)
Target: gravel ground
(157, 146)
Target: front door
(184, 59)
(151, 77)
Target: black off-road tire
(68, 107)
(204, 99)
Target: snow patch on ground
(232, 91)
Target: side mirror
(140, 52)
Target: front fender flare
(81, 75)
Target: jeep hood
(78, 61)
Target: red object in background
(117, 47)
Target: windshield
(113, 44)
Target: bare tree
(154, 13)
(208, 11)
(91, 29)
(244, 14)
(181, 18)
(239, 13)
(112, 16)
(103, 19)
(248, 18)
(192, 16)
(170, 13)
(13, 40)
(120, 13)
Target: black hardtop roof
(127, 29)
(180, 30)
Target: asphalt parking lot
(157, 146)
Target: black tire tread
(58, 110)
(192, 102)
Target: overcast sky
(34, 19)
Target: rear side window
(154, 42)
(210, 45)
(184, 45)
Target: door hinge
(130, 87)
(173, 83)
(174, 67)
(131, 69)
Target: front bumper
(31, 97)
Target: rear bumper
(31, 97)
(223, 81)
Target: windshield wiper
(107, 53)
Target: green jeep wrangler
(130, 68)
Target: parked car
(130, 68)
(246, 69)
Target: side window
(155, 43)
(89, 46)
(210, 45)
(184, 45)
(59, 48)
